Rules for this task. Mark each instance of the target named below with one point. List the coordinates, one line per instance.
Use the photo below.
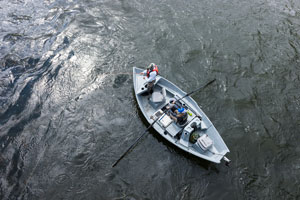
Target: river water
(68, 111)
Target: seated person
(180, 117)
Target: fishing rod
(133, 145)
(129, 73)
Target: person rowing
(180, 117)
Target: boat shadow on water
(194, 159)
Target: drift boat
(197, 135)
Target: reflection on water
(67, 110)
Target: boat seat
(204, 142)
(158, 97)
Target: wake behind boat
(197, 135)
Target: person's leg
(174, 118)
(150, 87)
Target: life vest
(155, 69)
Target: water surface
(67, 108)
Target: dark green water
(67, 108)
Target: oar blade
(133, 145)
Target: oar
(134, 143)
(124, 154)
(188, 94)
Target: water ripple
(67, 110)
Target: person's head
(151, 67)
(172, 100)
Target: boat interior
(155, 106)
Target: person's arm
(144, 72)
(174, 118)
(170, 105)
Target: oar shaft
(133, 145)
(124, 154)
(188, 94)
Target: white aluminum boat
(197, 135)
